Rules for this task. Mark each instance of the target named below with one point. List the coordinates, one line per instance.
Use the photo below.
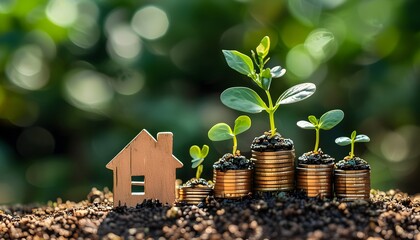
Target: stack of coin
(315, 179)
(352, 184)
(274, 171)
(193, 195)
(232, 183)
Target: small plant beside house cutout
(273, 154)
(232, 173)
(315, 168)
(196, 189)
(352, 174)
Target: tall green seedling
(222, 131)
(344, 141)
(198, 155)
(327, 121)
(247, 100)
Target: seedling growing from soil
(222, 131)
(198, 155)
(327, 121)
(247, 100)
(344, 141)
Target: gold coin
(329, 188)
(280, 182)
(346, 191)
(265, 167)
(267, 174)
(274, 178)
(269, 189)
(223, 192)
(352, 184)
(279, 152)
(311, 170)
(284, 169)
(348, 172)
(327, 166)
(314, 174)
(314, 178)
(353, 195)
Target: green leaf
(353, 135)
(296, 93)
(239, 61)
(242, 123)
(330, 119)
(362, 138)
(305, 125)
(195, 152)
(266, 79)
(263, 47)
(313, 120)
(277, 71)
(243, 99)
(343, 141)
(204, 151)
(220, 132)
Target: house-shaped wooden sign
(145, 169)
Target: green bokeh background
(80, 78)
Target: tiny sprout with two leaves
(327, 121)
(247, 100)
(198, 155)
(222, 131)
(344, 141)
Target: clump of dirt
(354, 163)
(198, 182)
(233, 162)
(315, 158)
(266, 142)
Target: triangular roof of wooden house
(145, 134)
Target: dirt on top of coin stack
(388, 215)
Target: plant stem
(316, 140)
(271, 113)
(199, 171)
(235, 144)
(352, 149)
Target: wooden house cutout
(145, 169)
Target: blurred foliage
(80, 78)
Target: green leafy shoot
(344, 141)
(327, 121)
(198, 155)
(222, 131)
(247, 100)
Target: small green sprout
(344, 141)
(327, 121)
(247, 100)
(222, 131)
(198, 155)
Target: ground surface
(389, 215)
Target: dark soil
(233, 162)
(315, 158)
(389, 215)
(265, 143)
(354, 163)
(198, 182)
